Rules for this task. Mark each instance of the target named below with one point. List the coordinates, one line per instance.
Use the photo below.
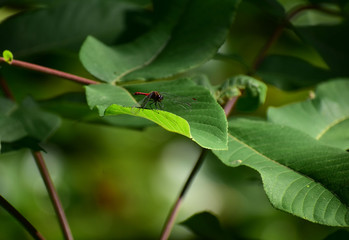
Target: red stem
(172, 216)
(50, 71)
(53, 195)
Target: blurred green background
(119, 183)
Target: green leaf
(300, 175)
(205, 225)
(170, 47)
(167, 120)
(37, 123)
(27, 119)
(25, 125)
(104, 95)
(252, 91)
(6, 106)
(291, 73)
(331, 42)
(8, 56)
(62, 25)
(203, 121)
(325, 118)
(11, 128)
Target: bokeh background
(120, 183)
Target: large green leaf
(300, 175)
(290, 73)
(326, 117)
(331, 41)
(66, 24)
(170, 47)
(26, 125)
(201, 119)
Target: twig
(50, 71)
(53, 195)
(172, 216)
(20, 218)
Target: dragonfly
(155, 99)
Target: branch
(50, 71)
(172, 216)
(53, 196)
(21, 219)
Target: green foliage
(170, 47)
(325, 118)
(205, 225)
(251, 92)
(66, 24)
(203, 120)
(331, 44)
(25, 125)
(291, 73)
(300, 175)
(299, 151)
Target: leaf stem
(50, 71)
(172, 216)
(20, 218)
(278, 31)
(53, 195)
(228, 107)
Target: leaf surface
(291, 73)
(300, 175)
(66, 24)
(201, 119)
(325, 118)
(331, 43)
(170, 47)
(25, 125)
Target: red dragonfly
(155, 98)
